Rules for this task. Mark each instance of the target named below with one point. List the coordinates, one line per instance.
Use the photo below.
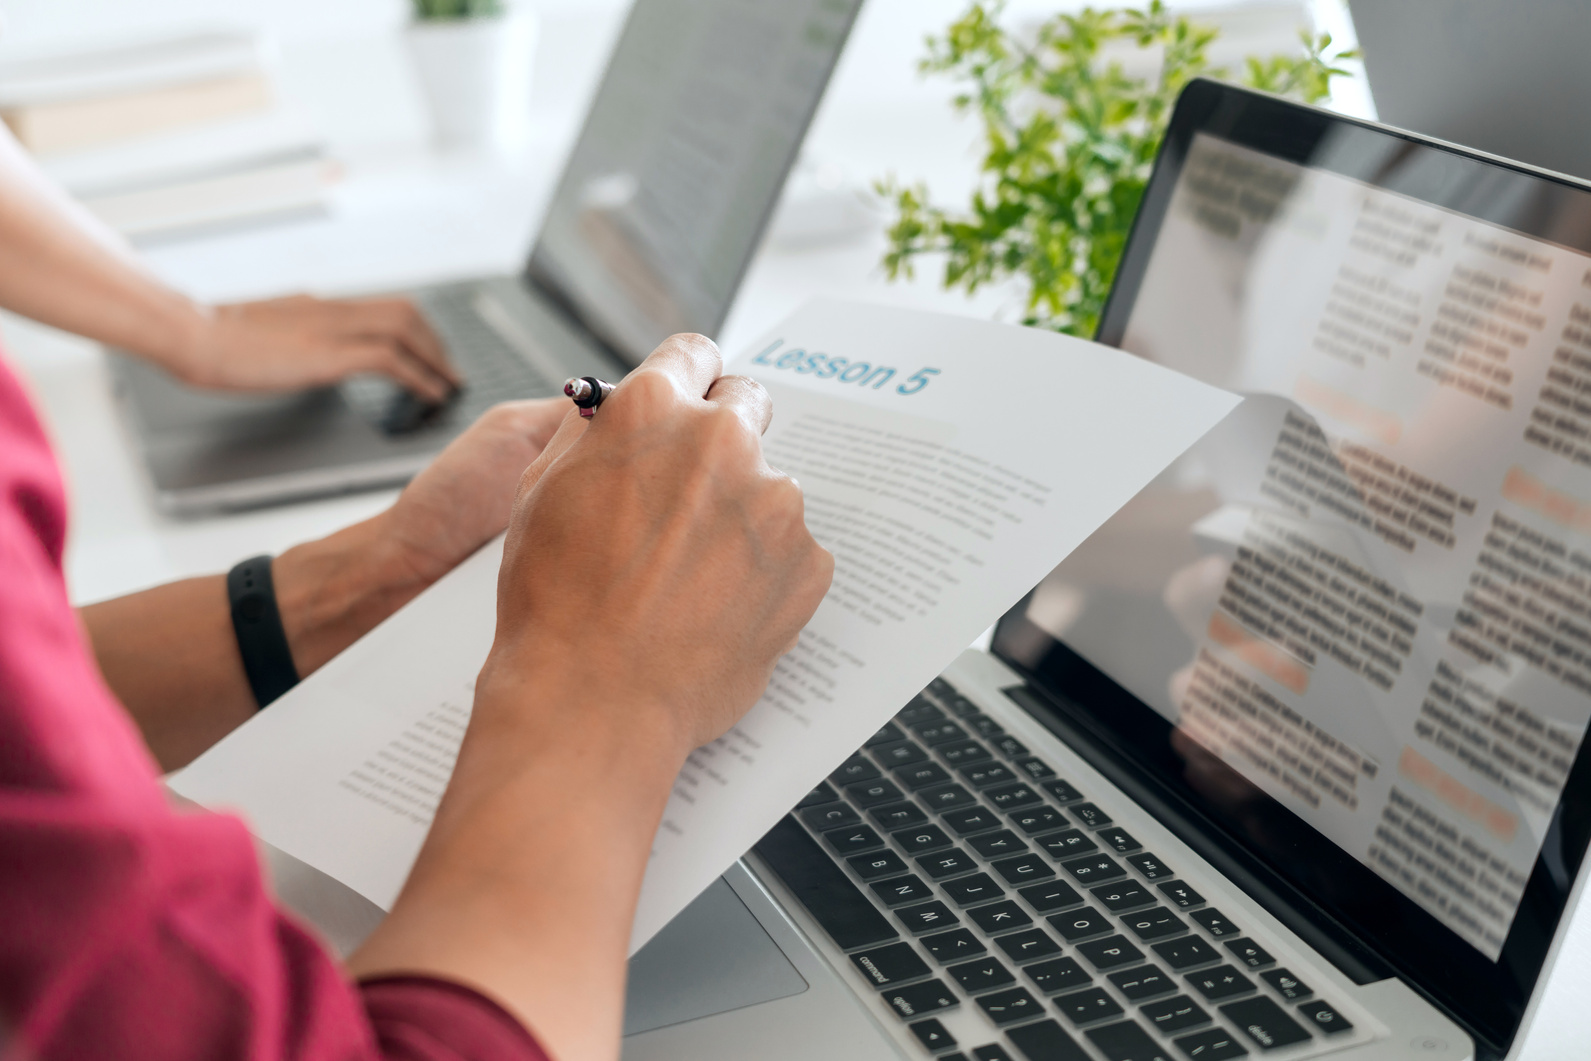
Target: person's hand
(656, 539)
(295, 343)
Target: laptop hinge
(1283, 901)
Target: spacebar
(847, 915)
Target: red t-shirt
(129, 930)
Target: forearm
(171, 657)
(62, 266)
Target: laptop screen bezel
(1488, 999)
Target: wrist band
(258, 626)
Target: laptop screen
(1351, 629)
(684, 151)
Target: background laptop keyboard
(961, 873)
(492, 371)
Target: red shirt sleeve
(131, 930)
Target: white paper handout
(948, 464)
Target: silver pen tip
(576, 389)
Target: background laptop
(698, 118)
(1508, 78)
(1125, 835)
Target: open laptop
(698, 118)
(1507, 78)
(1287, 760)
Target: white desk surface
(404, 216)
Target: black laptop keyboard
(492, 371)
(956, 869)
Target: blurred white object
(475, 74)
(821, 206)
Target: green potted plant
(1069, 142)
(473, 59)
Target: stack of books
(168, 137)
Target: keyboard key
(901, 753)
(890, 965)
(1186, 953)
(1093, 868)
(1110, 952)
(856, 768)
(1028, 946)
(1067, 844)
(1034, 769)
(933, 1035)
(1000, 916)
(1085, 1007)
(941, 732)
(1265, 1022)
(1324, 1019)
(941, 688)
(887, 734)
(879, 864)
(849, 841)
(1009, 746)
(1216, 1044)
(898, 890)
(824, 793)
(1145, 982)
(1123, 895)
(921, 775)
(1154, 924)
(1249, 953)
(1287, 985)
(1059, 974)
(996, 845)
(1010, 797)
(1089, 815)
(953, 946)
(898, 815)
(960, 706)
(1052, 895)
(947, 797)
(990, 1052)
(1033, 820)
(925, 917)
(1119, 839)
(872, 793)
(1080, 924)
(1061, 790)
(1223, 981)
(982, 775)
(1022, 868)
(1215, 923)
(913, 999)
(1180, 894)
(978, 888)
(1149, 865)
(848, 916)
(919, 710)
(1008, 1007)
(972, 820)
(946, 864)
(1174, 1014)
(1045, 1041)
(964, 753)
(830, 816)
(926, 838)
(1127, 1042)
(981, 974)
(986, 726)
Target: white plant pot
(475, 75)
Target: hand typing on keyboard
(654, 572)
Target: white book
(949, 464)
(58, 77)
(289, 188)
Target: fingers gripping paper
(948, 465)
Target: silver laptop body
(699, 116)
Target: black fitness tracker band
(258, 626)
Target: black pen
(587, 392)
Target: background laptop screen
(1353, 626)
(698, 118)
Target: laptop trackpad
(712, 958)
